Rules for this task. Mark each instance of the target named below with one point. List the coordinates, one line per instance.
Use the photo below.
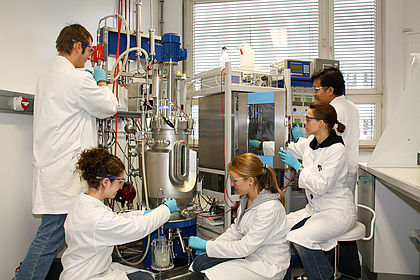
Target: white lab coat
(330, 202)
(92, 229)
(348, 115)
(67, 103)
(257, 241)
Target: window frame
(377, 101)
(326, 50)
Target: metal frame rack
(225, 81)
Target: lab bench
(394, 194)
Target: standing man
(67, 102)
(329, 88)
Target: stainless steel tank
(171, 167)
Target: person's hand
(289, 159)
(147, 211)
(171, 203)
(296, 132)
(254, 143)
(198, 243)
(99, 74)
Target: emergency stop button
(20, 103)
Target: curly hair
(250, 165)
(97, 162)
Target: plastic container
(247, 57)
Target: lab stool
(358, 232)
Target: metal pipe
(127, 28)
(181, 240)
(171, 85)
(161, 21)
(155, 89)
(138, 32)
(151, 14)
(152, 42)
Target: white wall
(29, 30)
(398, 15)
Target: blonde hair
(250, 165)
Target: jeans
(316, 264)
(203, 262)
(48, 239)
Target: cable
(285, 187)
(180, 109)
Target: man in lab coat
(329, 88)
(67, 102)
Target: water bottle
(224, 57)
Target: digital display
(297, 99)
(297, 121)
(295, 68)
(308, 100)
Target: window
(275, 29)
(370, 117)
(355, 41)
(366, 121)
(345, 30)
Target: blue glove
(253, 143)
(296, 132)
(289, 159)
(147, 211)
(171, 203)
(198, 243)
(99, 74)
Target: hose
(125, 55)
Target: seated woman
(255, 246)
(92, 228)
(330, 211)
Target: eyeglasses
(311, 118)
(112, 178)
(235, 180)
(91, 49)
(317, 89)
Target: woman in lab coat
(255, 246)
(92, 228)
(330, 211)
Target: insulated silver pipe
(171, 85)
(138, 32)
(156, 88)
(151, 32)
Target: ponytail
(340, 127)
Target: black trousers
(348, 259)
